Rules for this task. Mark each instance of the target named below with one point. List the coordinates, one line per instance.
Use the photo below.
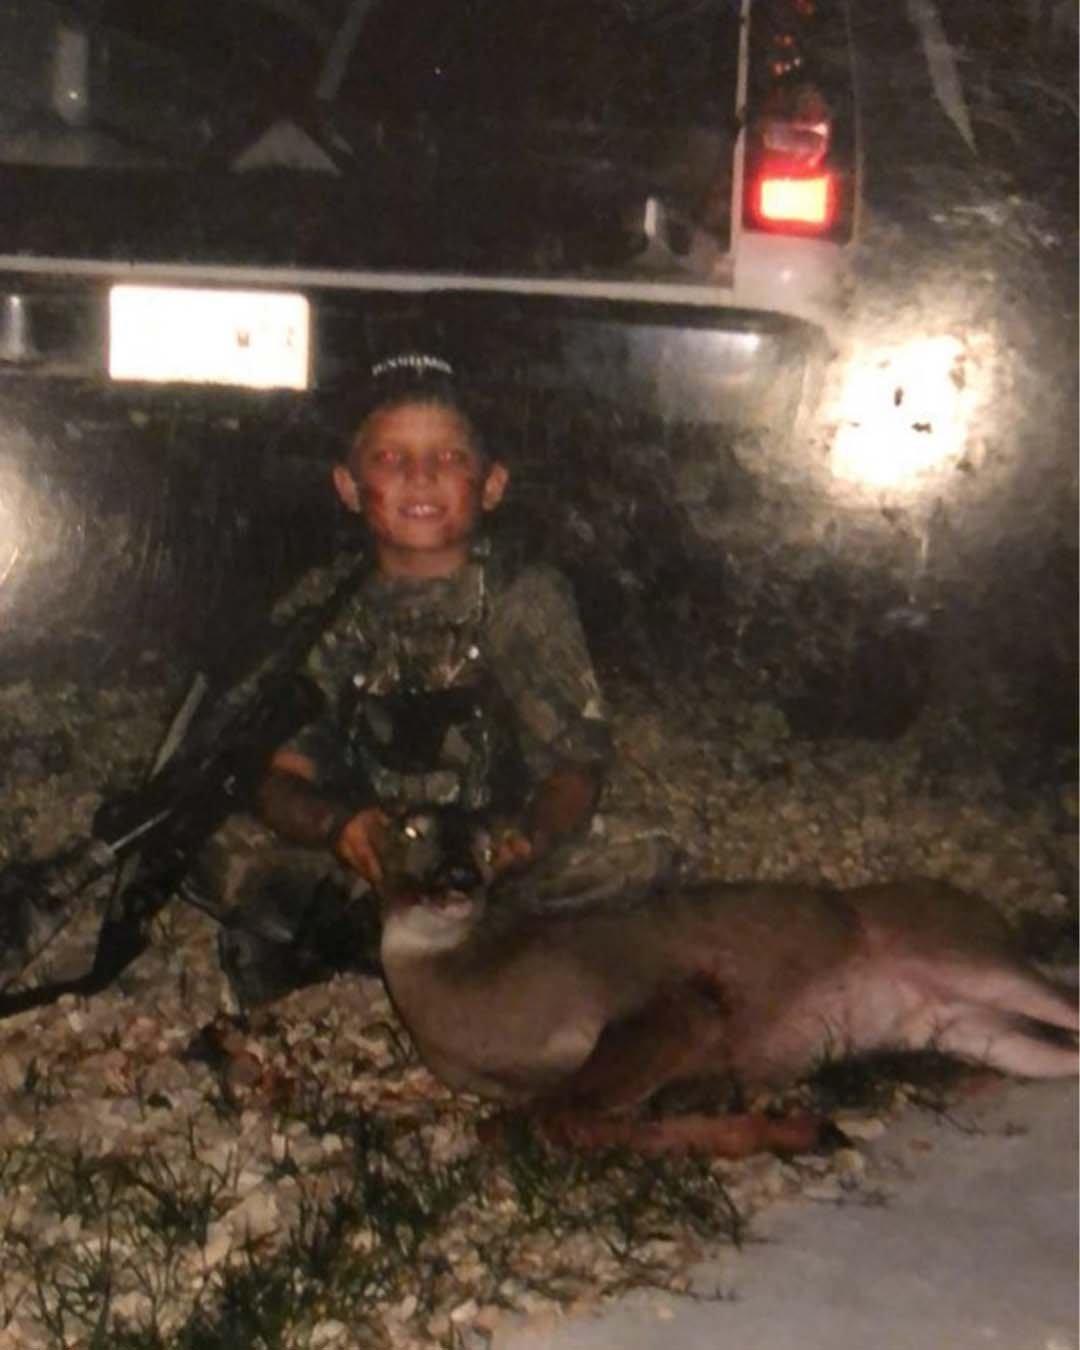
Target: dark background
(161, 533)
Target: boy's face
(416, 477)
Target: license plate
(257, 339)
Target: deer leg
(731, 1136)
(678, 1035)
(1011, 1043)
(1034, 996)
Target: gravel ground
(170, 1179)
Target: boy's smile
(419, 481)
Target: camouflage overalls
(465, 691)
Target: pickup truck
(655, 199)
(215, 215)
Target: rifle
(152, 835)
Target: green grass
(502, 1227)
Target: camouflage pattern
(294, 915)
(463, 690)
(615, 863)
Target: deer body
(756, 982)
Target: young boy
(428, 621)
(450, 678)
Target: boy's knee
(289, 933)
(244, 858)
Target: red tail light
(807, 203)
(799, 154)
(790, 186)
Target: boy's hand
(561, 806)
(358, 844)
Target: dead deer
(579, 1011)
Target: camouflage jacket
(467, 689)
